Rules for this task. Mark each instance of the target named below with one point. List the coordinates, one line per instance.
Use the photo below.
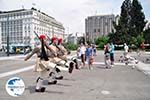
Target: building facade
(75, 37)
(19, 26)
(99, 25)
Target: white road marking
(105, 92)
(11, 57)
(31, 67)
(16, 71)
(61, 68)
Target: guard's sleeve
(35, 50)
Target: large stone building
(20, 25)
(99, 25)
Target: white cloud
(71, 13)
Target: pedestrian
(112, 49)
(107, 55)
(126, 50)
(94, 49)
(82, 53)
(142, 46)
(89, 56)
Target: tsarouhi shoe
(42, 89)
(51, 73)
(76, 63)
(52, 82)
(71, 67)
(59, 77)
(57, 70)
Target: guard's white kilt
(41, 65)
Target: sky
(72, 13)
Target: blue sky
(72, 13)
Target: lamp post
(7, 35)
(52, 31)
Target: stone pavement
(119, 83)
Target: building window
(25, 27)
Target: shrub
(71, 46)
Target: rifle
(36, 35)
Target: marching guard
(43, 65)
(63, 53)
(59, 54)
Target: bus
(19, 49)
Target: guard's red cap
(54, 39)
(60, 40)
(42, 36)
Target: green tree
(130, 24)
(125, 18)
(101, 41)
(123, 26)
(138, 21)
(71, 46)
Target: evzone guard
(57, 59)
(64, 53)
(44, 65)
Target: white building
(21, 24)
(74, 37)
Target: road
(119, 83)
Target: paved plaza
(121, 82)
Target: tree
(123, 27)
(125, 18)
(101, 41)
(131, 23)
(137, 18)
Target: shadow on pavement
(59, 84)
(68, 79)
(32, 90)
(54, 92)
(101, 67)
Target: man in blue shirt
(89, 56)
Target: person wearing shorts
(89, 56)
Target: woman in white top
(126, 49)
(82, 53)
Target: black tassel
(43, 52)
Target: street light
(7, 35)
(52, 31)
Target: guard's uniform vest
(40, 64)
